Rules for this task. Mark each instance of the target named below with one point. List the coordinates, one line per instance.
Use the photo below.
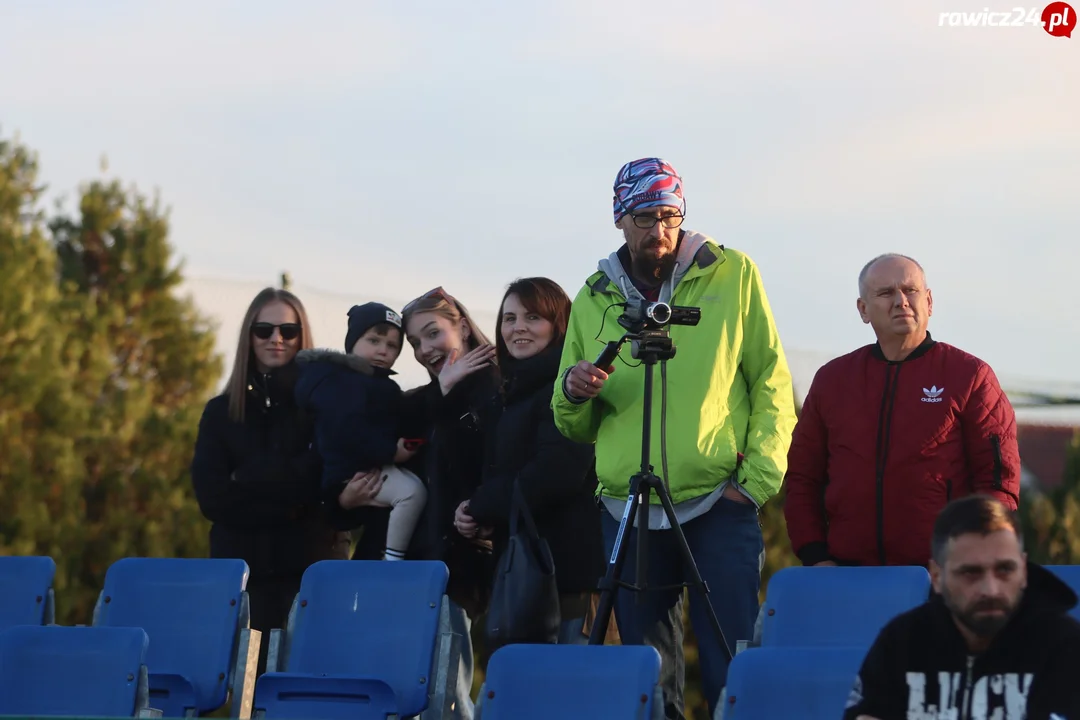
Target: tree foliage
(1051, 519)
(105, 371)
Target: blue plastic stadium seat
(26, 590)
(808, 683)
(361, 642)
(190, 608)
(1070, 575)
(815, 606)
(571, 682)
(72, 671)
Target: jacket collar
(523, 377)
(923, 348)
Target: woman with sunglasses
(450, 414)
(255, 475)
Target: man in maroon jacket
(893, 431)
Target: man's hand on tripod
(585, 380)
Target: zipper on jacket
(948, 490)
(996, 442)
(965, 712)
(888, 399)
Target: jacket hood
(333, 357)
(693, 248)
(318, 364)
(1046, 592)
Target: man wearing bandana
(729, 418)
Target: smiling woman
(255, 474)
(450, 413)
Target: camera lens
(660, 313)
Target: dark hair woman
(556, 475)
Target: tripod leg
(695, 575)
(609, 584)
(641, 579)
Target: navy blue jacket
(356, 408)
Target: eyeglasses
(429, 295)
(647, 221)
(265, 330)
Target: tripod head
(646, 329)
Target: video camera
(646, 327)
(643, 315)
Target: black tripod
(649, 346)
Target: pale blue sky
(377, 149)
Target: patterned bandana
(646, 183)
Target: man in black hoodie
(994, 640)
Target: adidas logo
(933, 394)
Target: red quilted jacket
(881, 447)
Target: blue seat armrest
(332, 697)
(173, 694)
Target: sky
(375, 150)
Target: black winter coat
(356, 410)
(452, 464)
(257, 482)
(557, 476)
(920, 666)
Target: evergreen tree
(144, 367)
(38, 464)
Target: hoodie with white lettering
(921, 667)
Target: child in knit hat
(357, 410)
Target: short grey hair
(885, 256)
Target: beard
(982, 625)
(648, 269)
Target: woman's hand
(463, 521)
(459, 366)
(361, 490)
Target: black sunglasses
(265, 330)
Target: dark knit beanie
(366, 316)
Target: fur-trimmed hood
(352, 362)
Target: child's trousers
(405, 495)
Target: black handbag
(524, 597)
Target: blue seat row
(373, 639)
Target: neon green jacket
(729, 387)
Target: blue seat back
(815, 606)
(809, 683)
(190, 609)
(540, 682)
(25, 584)
(73, 671)
(370, 619)
(1070, 575)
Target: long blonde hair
(236, 388)
(442, 303)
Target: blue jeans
(728, 549)
(570, 632)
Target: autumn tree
(140, 366)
